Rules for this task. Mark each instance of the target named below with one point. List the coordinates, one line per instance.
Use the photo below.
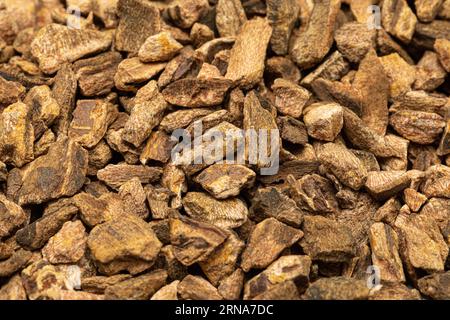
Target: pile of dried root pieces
(92, 205)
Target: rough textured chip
(116, 175)
(56, 44)
(354, 40)
(159, 47)
(230, 16)
(384, 184)
(401, 74)
(282, 16)
(132, 72)
(185, 13)
(337, 288)
(197, 288)
(138, 288)
(442, 47)
(430, 73)
(11, 216)
(289, 97)
(10, 91)
(427, 10)
(324, 121)
(246, 65)
(398, 19)
(436, 286)
(134, 198)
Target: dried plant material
(106, 10)
(221, 60)
(182, 118)
(209, 71)
(387, 45)
(10, 92)
(246, 65)
(435, 286)
(289, 97)
(283, 291)
(168, 292)
(438, 210)
(185, 13)
(16, 262)
(12, 216)
(282, 67)
(230, 287)
(398, 19)
(91, 119)
(333, 68)
(148, 111)
(292, 130)
(229, 213)
(197, 288)
(354, 40)
(13, 289)
(420, 101)
(132, 72)
(159, 201)
(98, 284)
(337, 288)
(267, 240)
(418, 126)
(16, 134)
(415, 200)
(196, 93)
(222, 262)
(270, 202)
(64, 91)
(373, 86)
(430, 73)
(442, 48)
(158, 147)
(401, 74)
(324, 121)
(282, 16)
(68, 245)
(427, 10)
(159, 47)
(421, 243)
(138, 20)
(134, 198)
(52, 48)
(200, 34)
(224, 181)
(115, 175)
(230, 16)
(327, 240)
(437, 182)
(194, 241)
(384, 244)
(138, 288)
(343, 164)
(99, 157)
(384, 184)
(96, 75)
(287, 268)
(6, 251)
(394, 291)
(123, 244)
(62, 171)
(312, 44)
(174, 179)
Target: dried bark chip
(430, 74)
(384, 184)
(420, 101)
(159, 47)
(394, 291)
(246, 65)
(289, 97)
(438, 209)
(194, 241)
(126, 243)
(282, 16)
(373, 85)
(185, 13)
(387, 45)
(64, 91)
(148, 111)
(267, 240)
(12, 216)
(158, 147)
(182, 118)
(51, 46)
(327, 240)
(221, 60)
(230, 16)
(106, 10)
(138, 288)
(91, 119)
(312, 44)
(222, 262)
(98, 284)
(132, 72)
(134, 198)
(61, 172)
(196, 93)
(283, 291)
(68, 245)
(197, 288)
(200, 34)
(287, 268)
(115, 175)
(324, 121)
(16, 134)
(159, 200)
(13, 289)
(415, 200)
(384, 244)
(442, 48)
(282, 67)
(343, 164)
(337, 288)
(333, 68)
(354, 40)
(10, 92)
(427, 33)
(401, 74)
(174, 179)
(6, 251)
(16, 262)
(230, 287)
(169, 262)
(168, 292)
(427, 10)
(15, 16)
(436, 286)
(96, 75)
(444, 11)
(418, 126)
(209, 71)
(444, 145)
(228, 213)
(437, 182)
(224, 181)
(398, 19)
(138, 20)
(93, 210)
